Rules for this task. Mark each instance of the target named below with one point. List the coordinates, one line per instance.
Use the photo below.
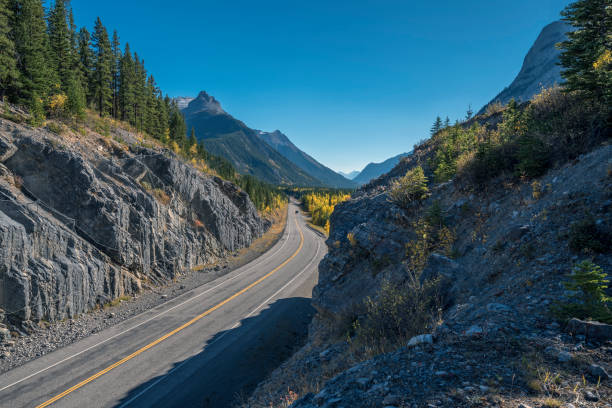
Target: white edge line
(139, 324)
(144, 391)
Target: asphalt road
(200, 349)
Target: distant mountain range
(375, 170)
(270, 156)
(540, 68)
(284, 146)
(225, 136)
(350, 175)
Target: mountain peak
(540, 67)
(205, 103)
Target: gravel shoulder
(35, 340)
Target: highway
(197, 350)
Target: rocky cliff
(86, 218)
(501, 257)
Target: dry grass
(164, 198)
(117, 301)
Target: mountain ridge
(226, 136)
(375, 170)
(540, 67)
(281, 143)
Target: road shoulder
(49, 337)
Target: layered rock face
(84, 219)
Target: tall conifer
(8, 58)
(59, 41)
(587, 54)
(32, 49)
(116, 54)
(102, 81)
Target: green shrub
(533, 157)
(410, 188)
(398, 312)
(434, 215)
(490, 161)
(587, 237)
(588, 282)
(451, 143)
(56, 128)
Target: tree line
(320, 202)
(53, 68)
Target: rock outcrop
(540, 68)
(84, 219)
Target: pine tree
(86, 64)
(588, 284)
(76, 87)
(162, 112)
(116, 53)
(437, 126)
(178, 128)
(32, 48)
(59, 41)
(469, 113)
(587, 54)
(140, 83)
(446, 122)
(193, 141)
(102, 81)
(8, 58)
(126, 86)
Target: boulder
(420, 339)
(591, 329)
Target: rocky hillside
(284, 146)
(448, 299)
(540, 68)
(87, 217)
(225, 136)
(375, 170)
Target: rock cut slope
(85, 219)
(497, 254)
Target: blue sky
(349, 82)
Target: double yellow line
(178, 329)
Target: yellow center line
(178, 329)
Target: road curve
(196, 350)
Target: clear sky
(349, 82)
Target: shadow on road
(233, 362)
